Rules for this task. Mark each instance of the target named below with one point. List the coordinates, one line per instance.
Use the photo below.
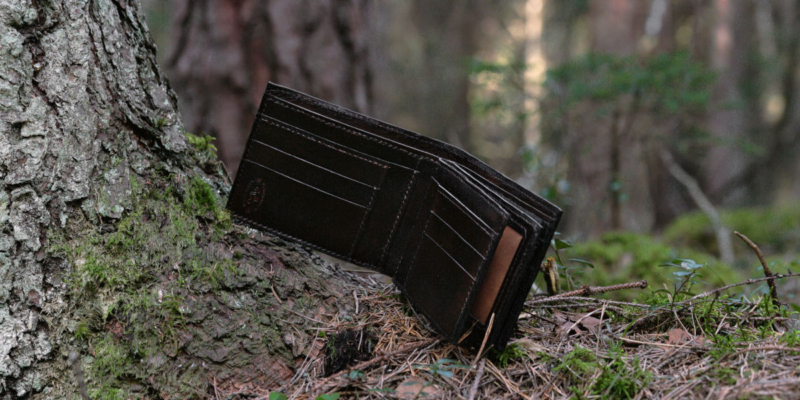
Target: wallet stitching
(485, 254)
(461, 208)
(414, 264)
(550, 211)
(360, 231)
(405, 282)
(281, 233)
(363, 221)
(450, 227)
(341, 127)
(290, 129)
(261, 226)
(447, 253)
(508, 302)
(337, 125)
(419, 244)
(397, 219)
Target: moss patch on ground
(774, 230)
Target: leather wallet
(461, 241)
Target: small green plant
(685, 278)
(723, 345)
(620, 380)
(790, 339)
(726, 375)
(277, 396)
(512, 352)
(441, 367)
(354, 375)
(110, 360)
(81, 331)
(567, 271)
(203, 144)
(329, 396)
(579, 363)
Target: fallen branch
(772, 289)
(587, 290)
(587, 299)
(747, 282)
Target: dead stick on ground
(474, 390)
(747, 282)
(773, 291)
(587, 290)
(485, 338)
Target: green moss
(122, 281)
(512, 352)
(620, 380)
(627, 257)
(790, 339)
(775, 229)
(205, 151)
(579, 363)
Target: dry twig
(587, 290)
(772, 290)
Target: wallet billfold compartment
(461, 241)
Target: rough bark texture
(225, 52)
(113, 240)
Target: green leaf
(329, 396)
(355, 374)
(562, 244)
(277, 396)
(584, 262)
(446, 374)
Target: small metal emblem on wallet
(461, 241)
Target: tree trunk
(732, 44)
(114, 244)
(449, 39)
(225, 52)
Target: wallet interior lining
(495, 275)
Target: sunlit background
(659, 126)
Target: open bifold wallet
(460, 240)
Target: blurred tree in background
(627, 113)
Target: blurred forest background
(659, 126)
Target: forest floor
(200, 307)
(670, 344)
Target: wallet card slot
(455, 245)
(302, 211)
(311, 174)
(462, 219)
(439, 286)
(308, 146)
(471, 276)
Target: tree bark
(113, 240)
(226, 51)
